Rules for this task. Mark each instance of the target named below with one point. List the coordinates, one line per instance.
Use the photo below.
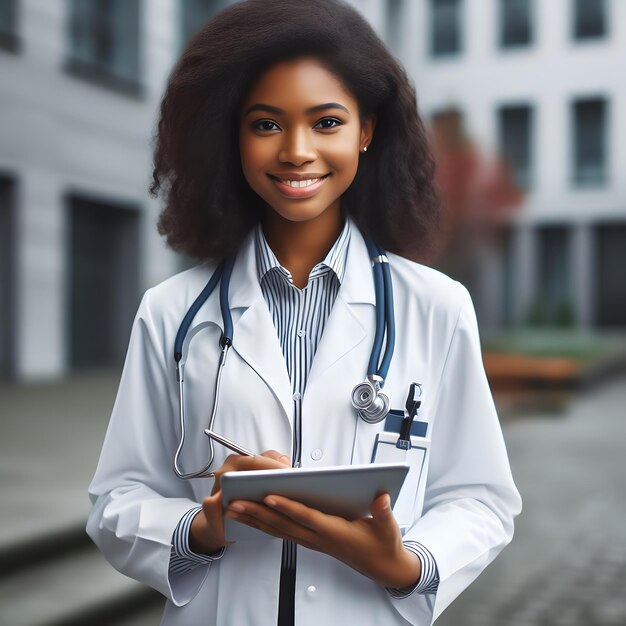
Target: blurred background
(526, 105)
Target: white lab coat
(470, 499)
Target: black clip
(412, 404)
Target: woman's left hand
(370, 545)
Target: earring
(364, 148)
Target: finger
(212, 505)
(275, 530)
(381, 508)
(277, 456)
(302, 514)
(256, 462)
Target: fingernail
(270, 502)
(237, 507)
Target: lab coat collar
(356, 287)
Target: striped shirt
(299, 316)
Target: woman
(285, 137)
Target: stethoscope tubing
(376, 374)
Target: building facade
(541, 83)
(81, 82)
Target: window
(195, 13)
(103, 281)
(515, 23)
(394, 25)
(8, 25)
(589, 141)
(589, 19)
(445, 27)
(7, 256)
(104, 42)
(554, 280)
(515, 134)
(610, 286)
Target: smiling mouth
(298, 188)
(298, 184)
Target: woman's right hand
(206, 535)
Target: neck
(299, 246)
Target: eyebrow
(277, 111)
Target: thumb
(213, 501)
(381, 508)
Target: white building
(80, 86)
(543, 83)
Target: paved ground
(565, 567)
(567, 563)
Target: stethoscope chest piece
(371, 404)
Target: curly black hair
(208, 205)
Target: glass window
(589, 141)
(515, 22)
(554, 280)
(8, 24)
(515, 132)
(195, 13)
(104, 40)
(103, 279)
(394, 26)
(610, 286)
(445, 27)
(589, 19)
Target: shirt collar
(335, 260)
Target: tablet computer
(345, 490)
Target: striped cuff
(429, 578)
(182, 559)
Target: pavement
(567, 562)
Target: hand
(370, 545)
(206, 534)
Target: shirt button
(311, 589)
(301, 333)
(297, 396)
(316, 454)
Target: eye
(257, 125)
(330, 119)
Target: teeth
(300, 183)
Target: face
(299, 123)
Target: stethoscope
(372, 405)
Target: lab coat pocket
(408, 505)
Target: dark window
(609, 273)
(515, 22)
(445, 27)
(7, 257)
(104, 42)
(103, 291)
(195, 14)
(8, 25)
(589, 19)
(515, 131)
(554, 281)
(590, 141)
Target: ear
(367, 130)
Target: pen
(231, 445)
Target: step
(77, 588)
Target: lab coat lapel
(349, 320)
(255, 338)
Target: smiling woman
(254, 81)
(293, 162)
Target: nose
(297, 147)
